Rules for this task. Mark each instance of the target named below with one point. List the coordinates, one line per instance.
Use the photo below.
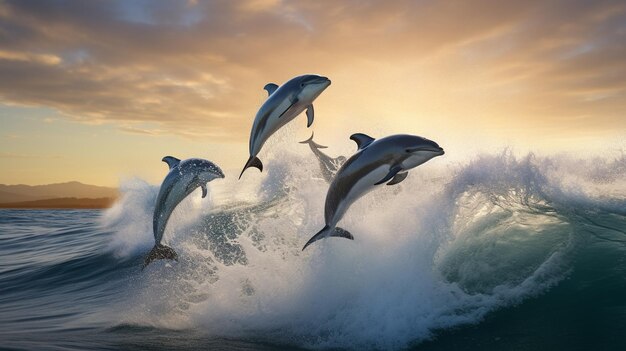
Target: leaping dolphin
(183, 178)
(283, 105)
(328, 165)
(385, 160)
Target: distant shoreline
(66, 203)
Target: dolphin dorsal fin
(271, 88)
(171, 161)
(312, 143)
(361, 140)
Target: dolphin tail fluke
(312, 143)
(321, 234)
(159, 252)
(326, 232)
(342, 233)
(253, 161)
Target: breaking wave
(442, 249)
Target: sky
(98, 91)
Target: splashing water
(442, 249)
(498, 243)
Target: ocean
(501, 253)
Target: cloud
(133, 130)
(197, 68)
(30, 57)
(12, 155)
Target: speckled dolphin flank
(385, 160)
(183, 178)
(283, 105)
(328, 165)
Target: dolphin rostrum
(183, 178)
(385, 160)
(328, 165)
(283, 105)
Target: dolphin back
(266, 122)
(161, 209)
(183, 178)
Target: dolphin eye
(301, 85)
(408, 151)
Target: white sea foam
(443, 248)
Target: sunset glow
(98, 90)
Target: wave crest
(443, 248)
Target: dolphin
(328, 165)
(182, 179)
(283, 105)
(385, 160)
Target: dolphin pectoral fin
(392, 173)
(159, 252)
(336, 232)
(398, 178)
(253, 161)
(361, 140)
(171, 161)
(271, 88)
(204, 190)
(309, 115)
(342, 233)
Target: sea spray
(454, 243)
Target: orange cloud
(196, 69)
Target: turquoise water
(502, 253)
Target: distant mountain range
(14, 194)
(65, 202)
